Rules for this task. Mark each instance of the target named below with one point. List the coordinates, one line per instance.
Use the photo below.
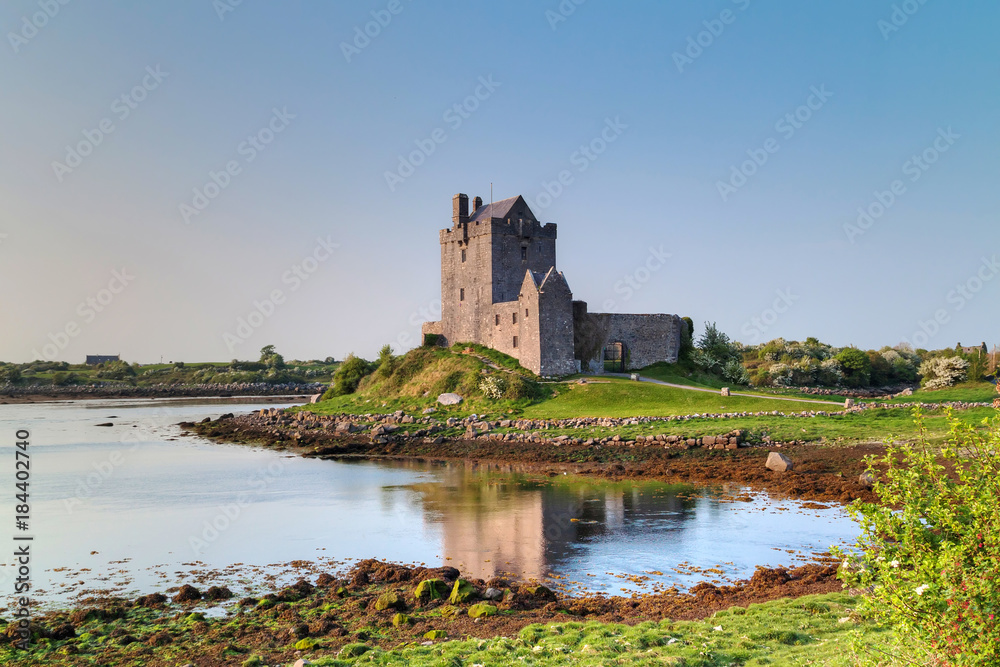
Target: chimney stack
(460, 208)
(477, 203)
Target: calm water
(135, 507)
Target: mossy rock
(253, 661)
(354, 650)
(342, 592)
(541, 593)
(462, 591)
(390, 600)
(306, 644)
(482, 610)
(435, 634)
(195, 617)
(431, 589)
(266, 603)
(401, 619)
(448, 611)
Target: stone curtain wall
(647, 338)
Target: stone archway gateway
(614, 357)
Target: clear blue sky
(681, 117)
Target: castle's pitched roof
(499, 209)
(541, 279)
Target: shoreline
(378, 605)
(103, 393)
(821, 473)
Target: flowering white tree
(942, 372)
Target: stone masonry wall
(647, 338)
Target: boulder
(431, 589)
(493, 594)
(401, 619)
(187, 593)
(315, 398)
(867, 479)
(463, 591)
(390, 600)
(778, 462)
(429, 411)
(725, 391)
(449, 399)
(482, 610)
(541, 593)
(435, 634)
(301, 662)
(848, 403)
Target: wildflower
(894, 563)
(921, 588)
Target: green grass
(804, 631)
(973, 392)
(614, 397)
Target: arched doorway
(614, 357)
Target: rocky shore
(373, 605)
(818, 473)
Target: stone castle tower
(500, 288)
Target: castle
(500, 288)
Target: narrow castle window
(525, 313)
(461, 294)
(514, 318)
(515, 341)
(524, 253)
(498, 319)
(463, 254)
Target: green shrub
(349, 374)
(432, 340)
(930, 549)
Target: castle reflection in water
(494, 521)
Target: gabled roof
(540, 280)
(499, 209)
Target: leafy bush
(493, 386)
(432, 340)
(349, 374)
(941, 372)
(734, 371)
(10, 374)
(116, 370)
(931, 549)
(856, 367)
